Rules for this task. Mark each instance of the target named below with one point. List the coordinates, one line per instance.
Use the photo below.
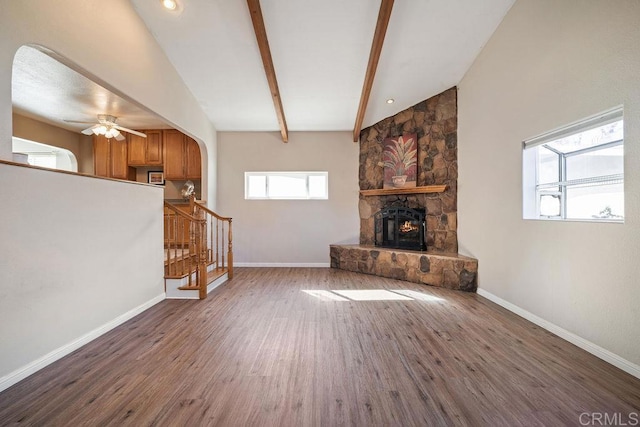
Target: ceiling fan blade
(79, 121)
(119, 137)
(89, 130)
(135, 132)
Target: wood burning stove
(400, 228)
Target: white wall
(37, 131)
(84, 231)
(550, 63)
(289, 231)
(77, 254)
(110, 45)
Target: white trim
(219, 281)
(596, 350)
(283, 264)
(600, 119)
(291, 174)
(33, 367)
(174, 293)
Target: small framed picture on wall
(155, 177)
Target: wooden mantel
(407, 190)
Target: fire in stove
(408, 227)
(400, 227)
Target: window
(45, 160)
(286, 185)
(576, 172)
(43, 155)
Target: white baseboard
(219, 281)
(574, 339)
(31, 368)
(283, 264)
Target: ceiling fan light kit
(107, 127)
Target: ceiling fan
(107, 126)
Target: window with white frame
(43, 155)
(576, 172)
(286, 185)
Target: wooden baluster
(230, 254)
(222, 246)
(180, 236)
(210, 246)
(217, 240)
(202, 266)
(174, 249)
(172, 228)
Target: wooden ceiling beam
(267, 62)
(376, 47)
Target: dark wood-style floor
(260, 351)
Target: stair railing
(184, 244)
(217, 228)
(196, 242)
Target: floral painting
(400, 158)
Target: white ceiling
(320, 51)
(44, 89)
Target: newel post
(192, 204)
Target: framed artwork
(400, 158)
(155, 177)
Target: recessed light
(390, 101)
(169, 4)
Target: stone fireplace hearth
(434, 122)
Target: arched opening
(44, 155)
(55, 105)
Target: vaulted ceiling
(319, 50)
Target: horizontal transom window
(286, 185)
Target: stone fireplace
(434, 122)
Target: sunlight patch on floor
(370, 295)
(417, 295)
(324, 295)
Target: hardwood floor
(259, 351)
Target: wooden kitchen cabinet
(101, 164)
(181, 156)
(154, 148)
(145, 151)
(110, 158)
(193, 161)
(174, 154)
(119, 167)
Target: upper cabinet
(174, 154)
(168, 149)
(119, 167)
(181, 156)
(110, 158)
(194, 163)
(145, 151)
(154, 148)
(101, 162)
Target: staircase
(198, 250)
